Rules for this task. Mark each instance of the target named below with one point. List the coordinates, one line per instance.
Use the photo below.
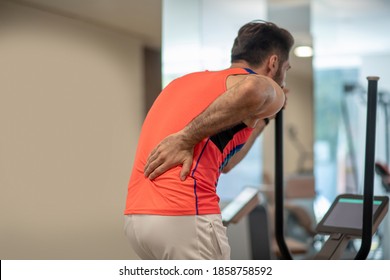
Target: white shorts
(155, 237)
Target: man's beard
(278, 78)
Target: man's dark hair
(257, 40)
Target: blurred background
(77, 79)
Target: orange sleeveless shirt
(180, 102)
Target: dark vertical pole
(387, 133)
(369, 168)
(279, 205)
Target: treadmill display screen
(346, 215)
(348, 212)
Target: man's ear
(273, 65)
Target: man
(202, 124)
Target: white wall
(71, 102)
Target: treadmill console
(241, 205)
(345, 215)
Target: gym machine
(350, 216)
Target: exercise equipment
(383, 171)
(381, 167)
(384, 102)
(304, 154)
(240, 206)
(348, 129)
(343, 222)
(351, 216)
(367, 200)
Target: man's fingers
(160, 165)
(152, 164)
(154, 174)
(158, 171)
(152, 156)
(286, 91)
(185, 169)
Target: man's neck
(244, 64)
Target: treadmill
(350, 216)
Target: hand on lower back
(172, 151)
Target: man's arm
(255, 97)
(245, 149)
(258, 129)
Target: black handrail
(279, 204)
(369, 169)
(368, 177)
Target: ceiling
(347, 26)
(346, 30)
(140, 18)
(337, 27)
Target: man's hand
(286, 92)
(172, 151)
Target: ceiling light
(303, 51)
